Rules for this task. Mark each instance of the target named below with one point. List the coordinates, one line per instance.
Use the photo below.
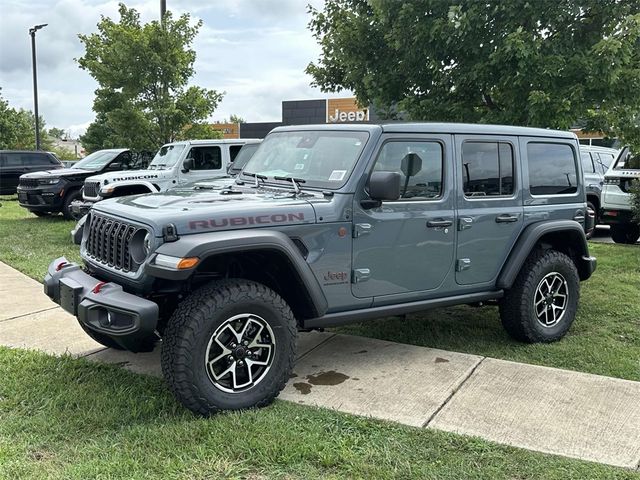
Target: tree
(58, 133)
(199, 131)
(17, 129)
(546, 63)
(142, 70)
(236, 119)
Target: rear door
(490, 211)
(11, 168)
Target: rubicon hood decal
(241, 221)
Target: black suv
(14, 163)
(52, 191)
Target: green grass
(605, 339)
(72, 419)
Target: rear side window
(587, 163)
(487, 169)
(12, 160)
(552, 169)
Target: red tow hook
(60, 266)
(98, 287)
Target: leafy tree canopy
(546, 63)
(58, 133)
(142, 70)
(17, 129)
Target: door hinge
(463, 264)
(360, 275)
(360, 229)
(464, 223)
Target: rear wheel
(543, 301)
(625, 233)
(592, 207)
(230, 345)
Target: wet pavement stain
(441, 360)
(329, 378)
(302, 387)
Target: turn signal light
(186, 263)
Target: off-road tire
(517, 310)
(191, 327)
(145, 345)
(626, 233)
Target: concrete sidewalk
(539, 408)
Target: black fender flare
(532, 234)
(204, 245)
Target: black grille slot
(108, 242)
(91, 189)
(28, 182)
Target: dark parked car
(14, 163)
(52, 191)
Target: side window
(487, 169)
(13, 160)
(52, 160)
(419, 164)
(233, 151)
(206, 158)
(552, 169)
(125, 161)
(587, 164)
(606, 159)
(33, 159)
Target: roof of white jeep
(217, 141)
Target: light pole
(32, 32)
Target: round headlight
(138, 246)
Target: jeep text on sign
(341, 110)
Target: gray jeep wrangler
(328, 225)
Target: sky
(254, 50)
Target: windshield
(627, 160)
(244, 155)
(321, 158)
(96, 161)
(166, 157)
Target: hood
(203, 186)
(217, 210)
(59, 173)
(124, 175)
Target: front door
(207, 163)
(490, 210)
(406, 245)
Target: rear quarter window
(552, 169)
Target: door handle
(507, 218)
(439, 223)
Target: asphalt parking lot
(601, 235)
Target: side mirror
(384, 186)
(187, 165)
(114, 166)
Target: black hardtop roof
(427, 127)
(44, 152)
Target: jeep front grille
(28, 182)
(108, 242)
(91, 189)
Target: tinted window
(587, 164)
(52, 159)
(487, 169)
(233, 151)
(12, 160)
(206, 158)
(419, 165)
(552, 169)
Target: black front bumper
(41, 199)
(103, 307)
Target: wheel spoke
(231, 369)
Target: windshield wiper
(294, 181)
(256, 176)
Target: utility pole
(32, 32)
(163, 9)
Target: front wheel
(625, 233)
(543, 301)
(67, 212)
(229, 345)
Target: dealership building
(303, 112)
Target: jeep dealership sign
(342, 110)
